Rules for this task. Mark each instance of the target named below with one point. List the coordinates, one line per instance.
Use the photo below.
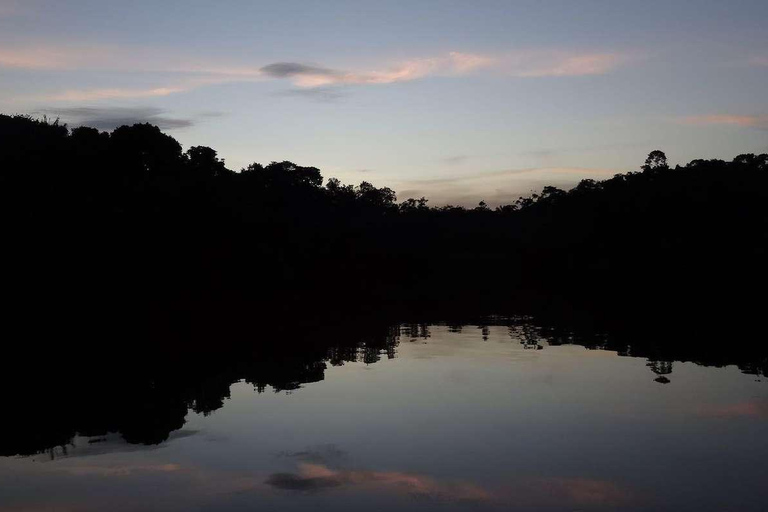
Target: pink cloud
(104, 94)
(454, 63)
(41, 58)
(745, 121)
(522, 64)
(560, 64)
(465, 62)
(194, 72)
(129, 59)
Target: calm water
(440, 418)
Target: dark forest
(127, 224)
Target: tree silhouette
(656, 160)
(128, 227)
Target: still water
(439, 418)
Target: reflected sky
(459, 419)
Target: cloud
(109, 118)
(759, 61)
(305, 75)
(455, 160)
(308, 77)
(541, 153)
(539, 64)
(109, 94)
(465, 62)
(530, 62)
(745, 121)
(311, 76)
(522, 64)
(177, 86)
(194, 73)
(547, 153)
(212, 114)
(290, 69)
(322, 94)
(54, 57)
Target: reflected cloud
(325, 454)
(86, 446)
(317, 477)
(582, 492)
(310, 478)
(749, 409)
(577, 492)
(121, 470)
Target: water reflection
(490, 413)
(146, 407)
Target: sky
(456, 101)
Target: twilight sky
(458, 101)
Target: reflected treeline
(144, 400)
(145, 396)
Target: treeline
(126, 222)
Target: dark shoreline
(140, 281)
